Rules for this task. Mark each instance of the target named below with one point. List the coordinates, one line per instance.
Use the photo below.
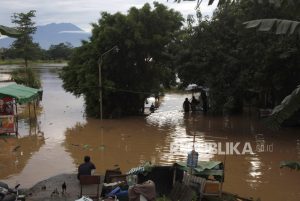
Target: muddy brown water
(163, 137)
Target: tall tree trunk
(26, 71)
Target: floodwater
(64, 136)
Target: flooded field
(163, 137)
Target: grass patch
(21, 62)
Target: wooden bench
(88, 180)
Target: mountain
(53, 34)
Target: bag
(83, 198)
(111, 199)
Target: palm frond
(7, 31)
(288, 107)
(280, 26)
(293, 165)
(277, 3)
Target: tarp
(205, 169)
(202, 166)
(21, 93)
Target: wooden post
(17, 119)
(35, 117)
(34, 109)
(29, 110)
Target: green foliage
(282, 26)
(23, 45)
(60, 51)
(238, 64)
(293, 165)
(26, 77)
(277, 3)
(144, 37)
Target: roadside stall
(10, 96)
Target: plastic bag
(83, 198)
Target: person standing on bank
(86, 167)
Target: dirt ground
(46, 190)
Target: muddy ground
(51, 189)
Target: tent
(10, 96)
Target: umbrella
(196, 88)
(192, 87)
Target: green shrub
(26, 77)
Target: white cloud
(79, 32)
(84, 12)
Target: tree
(238, 64)
(138, 70)
(281, 26)
(60, 51)
(277, 3)
(24, 44)
(26, 77)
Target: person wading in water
(186, 105)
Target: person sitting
(86, 167)
(186, 105)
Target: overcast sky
(84, 12)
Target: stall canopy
(21, 93)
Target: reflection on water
(15, 153)
(116, 142)
(60, 110)
(162, 138)
(298, 148)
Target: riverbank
(51, 189)
(45, 189)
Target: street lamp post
(100, 62)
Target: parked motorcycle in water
(8, 194)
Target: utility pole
(100, 62)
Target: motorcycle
(8, 194)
